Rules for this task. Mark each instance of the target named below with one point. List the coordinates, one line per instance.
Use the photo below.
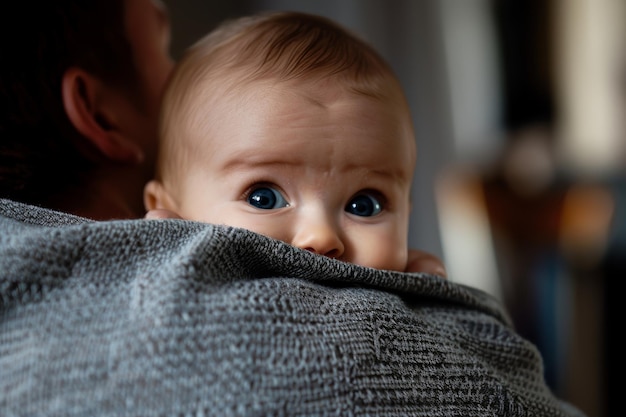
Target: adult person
(80, 87)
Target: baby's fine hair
(280, 46)
(287, 45)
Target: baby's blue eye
(266, 198)
(365, 205)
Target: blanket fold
(173, 317)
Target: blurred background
(519, 110)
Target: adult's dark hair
(39, 41)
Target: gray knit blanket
(179, 318)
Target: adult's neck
(111, 193)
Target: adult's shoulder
(26, 214)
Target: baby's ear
(155, 196)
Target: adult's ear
(156, 197)
(92, 108)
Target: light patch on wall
(590, 39)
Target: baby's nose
(319, 235)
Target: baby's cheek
(397, 259)
(384, 255)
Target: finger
(420, 261)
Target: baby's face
(314, 166)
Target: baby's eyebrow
(257, 160)
(395, 174)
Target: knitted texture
(179, 318)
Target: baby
(288, 125)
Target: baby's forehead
(275, 97)
(321, 107)
(218, 97)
